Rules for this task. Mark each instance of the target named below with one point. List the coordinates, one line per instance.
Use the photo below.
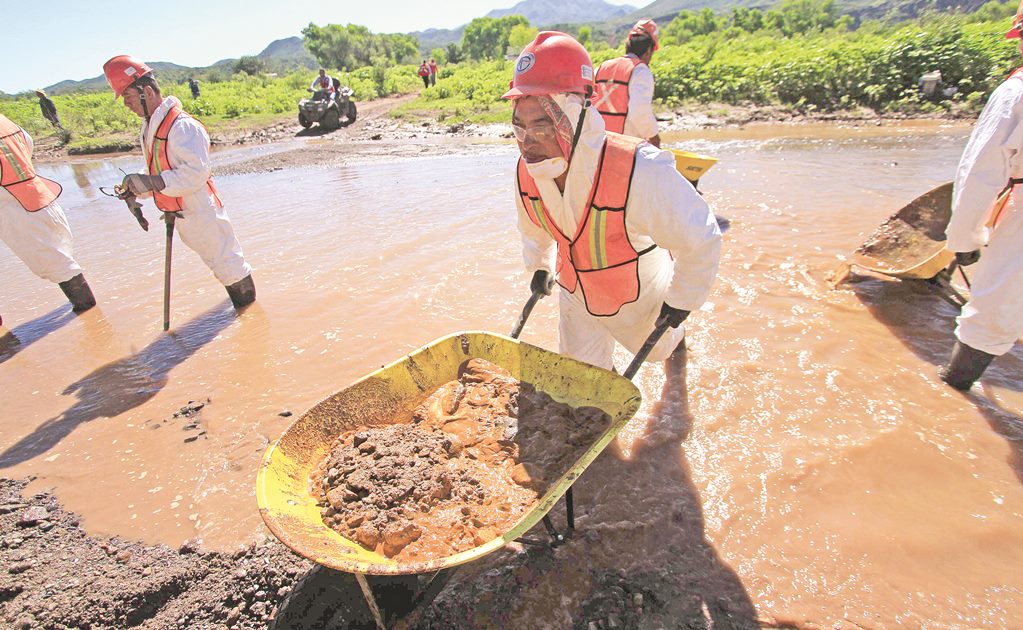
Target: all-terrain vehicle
(327, 109)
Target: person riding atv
(327, 106)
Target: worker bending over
(624, 90)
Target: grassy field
(97, 123)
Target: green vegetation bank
(801, 55)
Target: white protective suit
(993, 318)
(204, 227)
(41, 239)
(662, 208)
(641, 122)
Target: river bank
(377, 123)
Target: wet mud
(471, 461)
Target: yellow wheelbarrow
(693, 166)
(290, 510)
(910, 245)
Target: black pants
(426, 81)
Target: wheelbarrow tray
(283, 487)
(910, 244)
(692, 166)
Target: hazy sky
(46, 41)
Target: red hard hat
(648, 28)
(123, 70)
(553, 63)
(1017, 24)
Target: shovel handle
(659, 329)
(526, 310)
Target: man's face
(133, 101)
(534, 131)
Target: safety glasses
(540, 133)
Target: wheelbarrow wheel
(325, 598)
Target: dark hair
(146, 80)
(639, 44)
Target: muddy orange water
(806, 467)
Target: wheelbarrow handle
(526, 310)
(659, 329)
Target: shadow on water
(122, 385)
(640, 532)
(24, 335)
(925, 324)
(639, 557)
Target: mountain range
(289, 54)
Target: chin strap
(579, 125)
(142, 99)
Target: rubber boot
(243, 292)
(965, 366)
(78, 293)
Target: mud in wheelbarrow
(283, 488)
(910, 245)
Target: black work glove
(671, 316)
(542, 282)
(965, 259)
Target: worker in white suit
(32, 223)
(631, 242)
(176, 147)
(986, 228)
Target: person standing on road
(624, 90)
(32, 223)
(424, 73)
(48, 109)
(433, 72)
(176, 148)
(635, 244)
(991, 165)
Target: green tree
(487, 38)
(250, 65)
(805, 16)
(585, 36)
(354, 46)
(454, 53)
(520, 35)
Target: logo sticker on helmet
(587, 73)
(524, 63)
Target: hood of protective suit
(582, 161)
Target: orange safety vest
(160, 162)
(1005, 202)
(17, 176)
(611, 91)
(599, 258)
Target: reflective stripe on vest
(159, 162)
(598, 259)
(17, 175)
(611, 91)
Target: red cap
(553, 63)
(648, 28)
(123, 70)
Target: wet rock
(25, 622)
(32, 516)
(398, 537)
(285, 414)
(19, 567)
